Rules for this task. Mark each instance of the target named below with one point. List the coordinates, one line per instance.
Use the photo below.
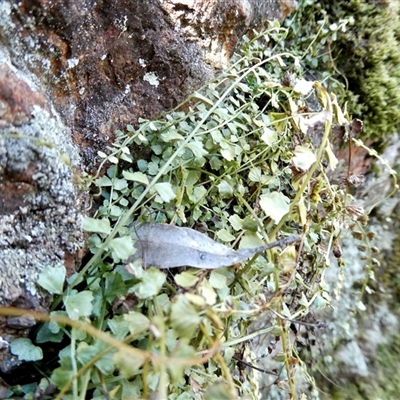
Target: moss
(358, 45)
(391, 278)
(384, 382)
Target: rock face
(40, 218)
(71, 73)
(38, 205)
(105, 64)
(216, 27)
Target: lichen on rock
(40, 216)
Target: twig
(254, 367)
(318, 324)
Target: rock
(216, 27)
(40, 216)
(104, 66)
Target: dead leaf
(168, 246)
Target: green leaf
(218, 391)
(184, 317)
(128, 364)
(113, 159)
(195, 299)
(228, 151)
(225, 189)
(54, 327)
(216, 136)
(130, 390)
(120, 184)
(52, 279)
(170, 135)
(192, 177)
(186, 279)
(152, 282)
(44, 334)
(86, 353)
(285, 311)
(269, 136)
(197, 148)
(137, 322)
(185, 126)
(303, 301)
(255, 174)
(153, 167)
(225, 235)
(182, 351)
(63, 374)
(279, 121)
(236, 222)
(275, 205)
(142, 165)
(122, 247)
(250, 224)
(250, 240)
(203, 98)
(153, 126)
(119, 327)
(217, 280)
(199, 193)
(279, 358)
(319, 303)
(96, 225)
(79, 304)
(103, 181)
(25, 350)
(302, 210)
(124, 202)
(165, 191)
(126, 157)
(114, 286)
(153, 379)
(157, 149)
(116, 211)
(136, 177)
(215, 163)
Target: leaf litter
(168, 246)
